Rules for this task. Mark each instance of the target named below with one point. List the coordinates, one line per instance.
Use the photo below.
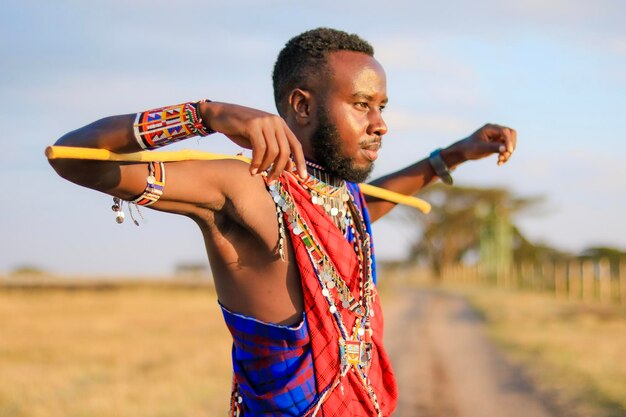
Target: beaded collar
(330, 193)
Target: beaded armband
(154, 189)
(154, 186)
(160, 127)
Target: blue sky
(555, 71)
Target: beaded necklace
(355, 347)
(328, 193)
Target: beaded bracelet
(166, 125)
(154, 187)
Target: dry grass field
(577, 351)
(158, 352)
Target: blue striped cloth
(273, 366)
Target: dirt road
(445, 364)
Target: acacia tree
(463, 221)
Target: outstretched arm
(189, 183)
(489, 139)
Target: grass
(576, 351)
(140, 351)
(164, 351)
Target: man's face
(350, 125)
(328, 151)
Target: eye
(382, 108)
(363, 105)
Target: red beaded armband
(160, 127)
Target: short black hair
(304, 57)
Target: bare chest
(243, 246)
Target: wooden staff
(69, 152)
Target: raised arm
(190, 184)
(489, 139)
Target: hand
(269, 137)
(487, 140)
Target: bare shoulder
(233, 208)
(247, 200)
(234, 182)
(194, 187)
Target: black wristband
(440, 167)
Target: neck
(329, 192)
(319, 173)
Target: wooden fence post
(521, 279)
(588, 280)
(574, 278)
(560, 280)
(604, 277)
(622, 281)
(547, 276)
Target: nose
(377, 126)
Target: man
(288, 235)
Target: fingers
(281, 158)
(272, 144)
(509, 142)
(501, 140)
(258, 146)
(271, 149)
(266, 134)
(296, 153)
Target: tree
(464, 221)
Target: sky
(555, 71)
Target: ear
(300, 105)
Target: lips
(371, 151)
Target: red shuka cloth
(353, 400)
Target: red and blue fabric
(351, 398)
(273, 366)
(287, 371)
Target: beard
(327, 150)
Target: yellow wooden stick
(394, 197)
(69, 152)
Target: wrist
(208, 111)
(454, 155)
(442, 170)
